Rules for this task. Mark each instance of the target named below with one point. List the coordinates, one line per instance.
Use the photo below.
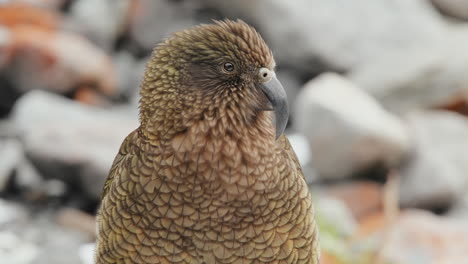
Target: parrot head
(222, 71)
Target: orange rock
(362, 197)
(58, 61)
(458, 104)
(90, 96)
(78, 220)
(430, 238)
(326, 258)
(39, 55)
(19, 14)
(370, 224)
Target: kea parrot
(208, 176)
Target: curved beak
(276, 94)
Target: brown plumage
(204, 179)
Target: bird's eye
(228, 66)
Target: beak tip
(280, 129)
(278, 135)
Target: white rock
(341, 34)
(336, 214)
(348, 130)
(59, 132)
(55, 244)
(86, 253)
(434, 75)
(376, 42)
(14, 250)
(54, 187)
(301, 147)
(438, 172)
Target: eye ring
(265, 74)
(228, 66)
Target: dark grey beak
(276, 94)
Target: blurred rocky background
(378, 92)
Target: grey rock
(32, 185)
(291, 84)
(454, 8)
(130, 72)
(13, 162)
(7, 129)
(11, 154)
(438, 172)
(101, 21)
(155, 20)
(28, 177)
(348, 130)
(460, 208)
(67, 139)
(11, 213)
(338, 34)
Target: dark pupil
(228, 66)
